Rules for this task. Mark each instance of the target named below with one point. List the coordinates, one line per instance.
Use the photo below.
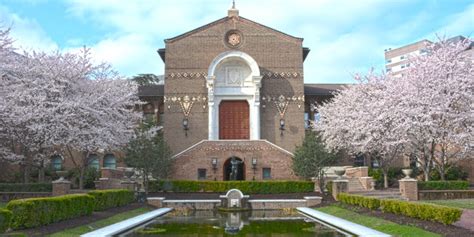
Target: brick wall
(193, 53)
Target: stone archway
(233, 75)
(228, 169)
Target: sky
(345, 36)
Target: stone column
(156, 201)
(339, 186)
(409, 189)
(61, 187)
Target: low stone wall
(257, 204)
(445, 194)
(7, 196)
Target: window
(402, 57)
(202, 174)
(56, 162)
(388, 61)
(389, 69)
(359, 160)
(317, 117)
(306, 120)
(93, 161)
(110, 161)
(266, 173)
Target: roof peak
(233, 12)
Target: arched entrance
(240, 168)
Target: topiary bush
(105, 199)
(247, 187)
(28, 187)
(429, 212)
(443, 185)
(5, 218)
(34, 212)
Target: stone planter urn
(61, 174)
(339, 173)
(407, 173)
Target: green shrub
(371, 203)
(247, 187)
(329, 186)
(423, 211)
(105, 199)
(443, 185)
(429, 212)
(5, 218)
(34, 212)
(452, 173)
(28, 187)
(394, 174)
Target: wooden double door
(234, 120)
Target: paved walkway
(467, 220)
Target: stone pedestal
(129, 185)
(61, 187)
(339, 186)
(156, 201)
(409, 189)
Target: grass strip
(77, 231)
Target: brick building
(233, 88)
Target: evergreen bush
(5, 218)
(26, 187)
(247, 187)
(105, 199)
(34, 212)
(443, 185)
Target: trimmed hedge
(105, 199)
(367, 202)
(443, 185)
(247, 187)
(28, 187)
(5, 218)
(34, 212)
(423, 211)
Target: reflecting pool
(213, 223)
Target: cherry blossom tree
(57, 102)
(427, 112)
(439, 94)
(358, 120)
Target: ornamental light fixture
(282, 125)
(254, 163)
(214, 163)
(185, 126)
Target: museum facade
(233, 89)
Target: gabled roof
(224, 19)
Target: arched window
(56, 162)
(109, 161)
(93, 161)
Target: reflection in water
(213, 223)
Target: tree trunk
(385, 178)
(26, 173)
(41, 172)
(81, 177)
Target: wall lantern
(186, 126)
(282, 126)
(214, 163)
(254, 163)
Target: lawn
(459, 203)
(376, 223)
(102, 223)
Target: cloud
(28, 34)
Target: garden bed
(444, 230)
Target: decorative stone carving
(189, 75)
(280, 75)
